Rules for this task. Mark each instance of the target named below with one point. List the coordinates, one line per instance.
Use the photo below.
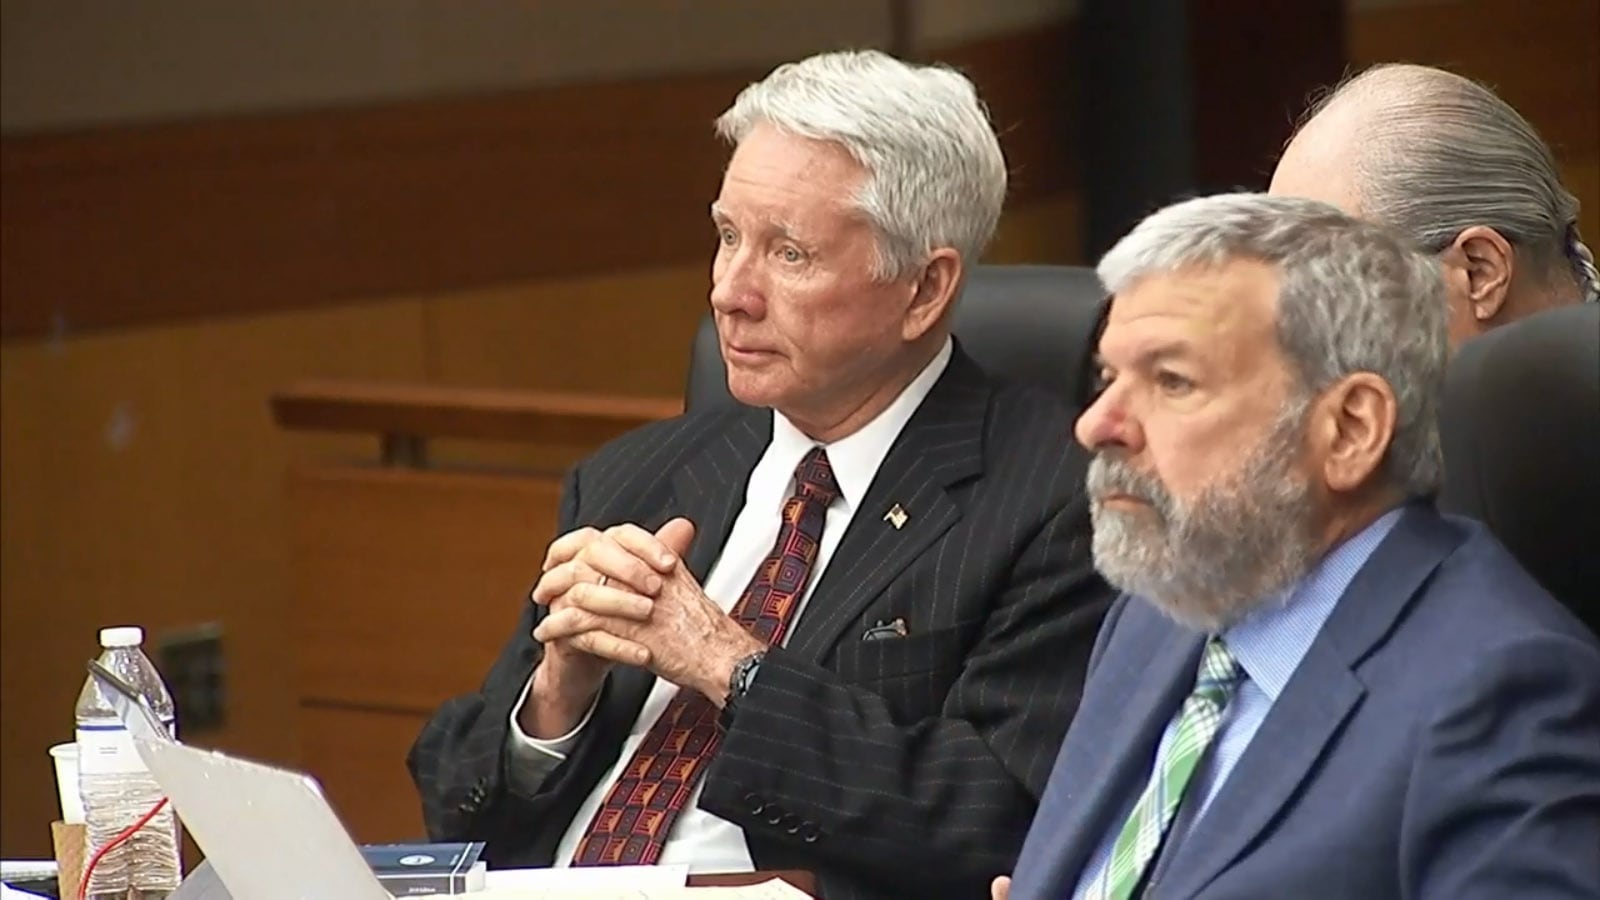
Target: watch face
(744, 673)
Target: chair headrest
(1036, 324)
(1520, 427)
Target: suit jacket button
(774, 815)
(809, 832)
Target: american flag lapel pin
(896, 516)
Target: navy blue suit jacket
(1441, 738)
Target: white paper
(772, 889)
(29, 869)
(622, 883)
(588, 878)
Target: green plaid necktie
(1198, 722)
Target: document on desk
(580, 879)
(774, 889)
(33, 869)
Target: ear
(1351, 431)
(1489, 262)
(933, 293)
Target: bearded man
(1314, 685)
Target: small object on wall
(192, 662)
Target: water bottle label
(109, 750)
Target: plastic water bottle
(116, 786)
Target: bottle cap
(125, 636)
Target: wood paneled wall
(153, 224)
(109, 62)
(390, 618)
(142, 481)
(159, 282)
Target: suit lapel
(1307, 715)
(941, 445)
(709, 489)
(1110, 750)
(1323, 692)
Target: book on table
(415, 870)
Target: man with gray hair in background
(843, 627)
(1315, 685)
(1461, 173)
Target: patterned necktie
(632, 823)
(1198, 722)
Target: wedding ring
(602, 581)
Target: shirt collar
(855, 458)
(1270, 643)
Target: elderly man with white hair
(1315, 685)
(843, 627)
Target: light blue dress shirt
(1269, 645)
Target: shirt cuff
(531, 759)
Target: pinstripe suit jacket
(907, 766)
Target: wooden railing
(405, 417)
(410, 577)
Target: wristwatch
(739, 681)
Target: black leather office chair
(1520, 426)
(1026, 323)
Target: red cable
(122, 837)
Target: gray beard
(1209, 563)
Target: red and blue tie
(632, 824)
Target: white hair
(1439, 153)
(1353, 296)
(935, 173)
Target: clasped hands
(625, 595)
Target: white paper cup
(66, 760)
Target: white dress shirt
(708, 843)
